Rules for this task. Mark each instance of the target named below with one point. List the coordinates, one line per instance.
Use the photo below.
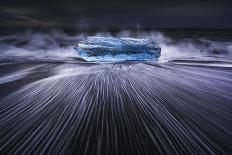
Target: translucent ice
(117, 49)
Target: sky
(116, 13)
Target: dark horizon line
(111, 28)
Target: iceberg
(117, 49)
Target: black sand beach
(115, 108)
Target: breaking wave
(57, 44)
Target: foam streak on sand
(117, 108)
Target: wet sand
(115, 108)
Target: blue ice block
(117, 49)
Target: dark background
(116, 14)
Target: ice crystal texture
(117, 49)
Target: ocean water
(54, 102)
(59, 44)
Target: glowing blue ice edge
(117, 49)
